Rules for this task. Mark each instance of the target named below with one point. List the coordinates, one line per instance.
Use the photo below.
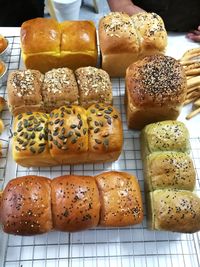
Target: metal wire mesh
(130, 246)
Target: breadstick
(193, 89)
(193, 113)
(193, 81)
(191, 53)
(188, 101)
(193, 71)
(188, 62)
(197, 103)
(192, 66)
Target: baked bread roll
(24, 91)
(94, 86)
(68, 135)
(47, 44)
(164, 136)
(75, 203)
(120, 197)
(59, 88)
(105, 133)
(26, 206)
(177, 211)
(155, 90)
(2, 103)
(172, 170)
(30, 140)
(124, 40)
(3, 43)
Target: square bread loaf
(48, 44)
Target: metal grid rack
(130, 246)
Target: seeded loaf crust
(177, 211)
(68, 135)
(24, 91)
(75, 203)
(48, 44)
(94, 86)
(121, 200)
(30, 140)
(124, 40)
(105, 133)
(34, 205)
(59, 88)
(155, 90)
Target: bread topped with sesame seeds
(94, 86)
(24, 91)
(35, 205)
(174, 210)
(155, 90)
(26, 206)
(59, 88)
(75, 203)
(68, 135)
(48, 44)
(121, 200)
(124, 39)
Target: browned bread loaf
(68, 135)
(75, 203)
(32, 205)
(121, 200)
(124, 40)
(48, 44)
(26, 206)
(155, 90)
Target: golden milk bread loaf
(124, 39)
(48, 44)
(30, 90)
(68, 135)
(155, 90)
(34, 205)
(174, 210)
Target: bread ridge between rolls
(68, 135)
(32, 204)
(30, 90)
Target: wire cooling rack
(119, 247)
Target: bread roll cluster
(48, 44)
(68, 135)
(169, 178)
(32, 205)
(155, 90)
(30, 90)
(124, 39)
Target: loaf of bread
(94, 85)
(30, 90)
(68, 135)
(155, 90)
(164, 136)
(121, 205)
(169, 169)
(47, 44)
(34, 205)
(75, 203)
(59, 88)
(24, 91)
(171, 210)
(124, 40)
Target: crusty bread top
(156, 81)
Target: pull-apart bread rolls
(30, 140)
(155, 90)
(47, 44)
(164, 136)
(177, 211)
(26, 206)
(75, 203)
(30, 90)
(94, 84)
(169, 169)
(124, 40)
(32, 205)
(121, 200)
(24, 91)
(68, 135)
